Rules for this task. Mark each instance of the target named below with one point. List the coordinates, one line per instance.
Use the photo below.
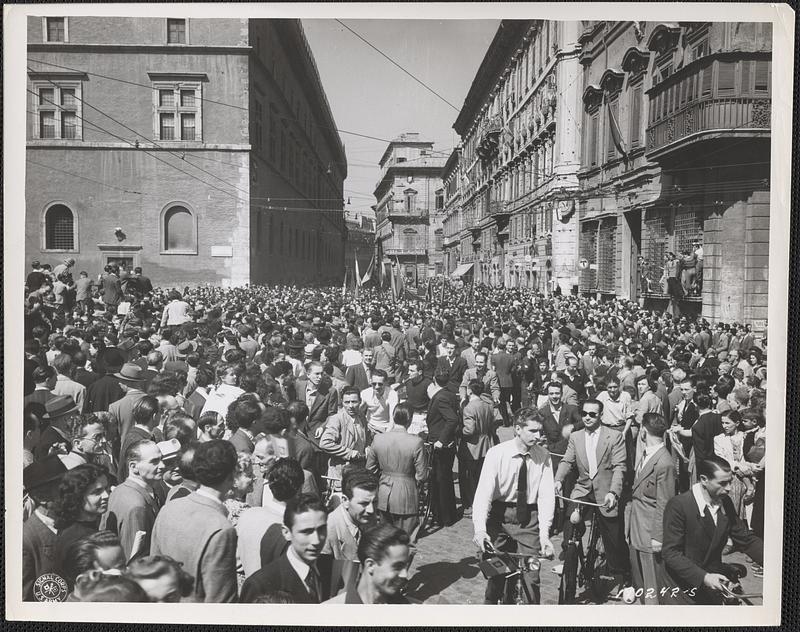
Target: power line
(419, 81)
(75, 175)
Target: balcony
(733, 106)
(489, 138)
(400, 211)
(395, 250)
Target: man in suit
(354, 514)
(684, 414)
(245, 414)
(197, 399)
(305, 527)
(597, 454)
(106, 390)
(195, 530)
(131, 379)
(400, 459)
(453, 364)
(359, 375)
(478, 434)
(317, 391)
(65, 385)
(145, 417)
(471, 351)
(443, 420)
(697, 526)
(132, 506)
(504, 363)
(482, 373)
(387, 357)
(653, 486)
(44, 379)
(344, 438)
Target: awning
(461, 270)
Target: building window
(58, 110)
(59, 228)
(726, 78)
(762, 77)
(438, 235)
(439, 201)
(178, 230)
(593, 121)
(636, 116)
(176, 31)
(55, 30)
(410, 200)
(177, 111)
(613, 112)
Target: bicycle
(733, 593)
(518, 566)
(582, 568)
(424, 492)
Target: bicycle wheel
(569, 575)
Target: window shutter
(762, 76)
(707, 79)
(635, 110)
(746, 71)
(727, 78)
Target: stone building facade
(409, 212)
(203, 150)
(519, 159)
(360, 244)
(676, 149)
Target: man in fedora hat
(132, 380)
(39, 533)
(55, 438)
(179, 364)
(102, 393)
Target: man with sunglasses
(379, 401)
(597, 454)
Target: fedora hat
(185, 348)
(59, 406)
(42, 472)
(130, 374)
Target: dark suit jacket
(325, 404)
(552, 427)
(503, 364)
(443, 416)
(87, 378)
(38, 553)
(478, 433)
(134, 434)
(456, 371)
(130, 509)
(194, 404)
(356, 375)
(102, 393)
(242, 442)
(28, 384)
(42, 396)
(708, 426)
(280, 576)
(653, 486)
(693, 545)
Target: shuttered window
(726, 82)
(762, 77)
(746, 77)
(707, 81)
(613, 112)
(636, 116)
(606, 255)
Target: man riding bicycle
(597, 454)
(515, 498)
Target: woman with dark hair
(81, 500)
(161, 578)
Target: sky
(371, 96)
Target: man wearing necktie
(597, 454)
(515, 499)
(653, 486)
(697, 526)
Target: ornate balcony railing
(708, 115)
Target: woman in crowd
(161, 578)
(729, 445)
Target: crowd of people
(266, 444)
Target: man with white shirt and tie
(653, 486)
(515, 499)
(597, 454)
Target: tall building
(203, 150)
(410, 208)
(519, 160)
(456, 258)
(676, 150)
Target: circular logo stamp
(50, 588)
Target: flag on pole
(616, 135)
(358, 274)
(356, 280)
(370, 271)
(400, 283)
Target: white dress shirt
(499, 479)
(379, 410)
(702, 503)
(591, 450)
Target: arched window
(59, 228)
(178, 230)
